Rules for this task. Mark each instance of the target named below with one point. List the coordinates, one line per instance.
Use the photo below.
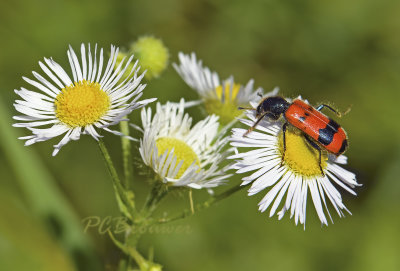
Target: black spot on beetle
(334, 125)
(307, 114)
(326, 135)
(302, 119)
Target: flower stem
(144, 265)
(158, 191)
(126, 154)
(204, 205)
(119, 189)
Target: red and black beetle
(318, 129)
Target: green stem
(128, 166)
(120, 190)
(213, 200)
(143, 264)
(158, 192)
(126, 154)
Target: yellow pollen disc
(300, 156)
(227, 95)
(227, 110)
(182, 151)
(81, 104)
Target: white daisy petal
(110, 65)
(59, 71)
(84, 65)
(50, 74)
(270, 196)
(90, 63)
(40, 86)
(100, 66)
(317, 200)
(76, 65)
(47, 109)
(286, 182)
(197, 77)
(72, 65)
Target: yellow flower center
(227, 95)
(300, 156)
(182, 151)
(227, 110)
(81, 104)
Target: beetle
(318, 129)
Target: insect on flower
(318, 129)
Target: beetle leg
(315, 146)
(284, 126)
(319, 108)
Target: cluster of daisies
(101, 93)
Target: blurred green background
(343, 52)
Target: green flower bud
(152, 54)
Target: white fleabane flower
(293, 177)
(220, 97)
(95, 98)
(180, 154)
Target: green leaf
(41, 193)
(25, 244)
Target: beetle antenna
(254, 125)
(347, 110)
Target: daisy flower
(94, 98)
(180, 154)
(299, 172)
(220, 98)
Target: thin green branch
(213, 200)
(144, 265)
(127, 202)
(157, 193)
(126, 154)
